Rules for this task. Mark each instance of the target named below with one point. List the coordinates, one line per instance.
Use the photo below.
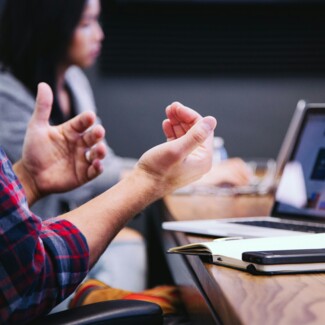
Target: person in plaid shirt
(42, 262)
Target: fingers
(96, 152)
(168, 130)
(93, 140)
(81, 122)
(95, 169)
(94, 135)
(177, 112)
(188, 126)
(43, 106)
(94, 158)
(181, 119)
(198, 134)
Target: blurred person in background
(52, 41)
(42, 262)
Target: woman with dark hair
(35, 39)
(51, 40)
(48, 41)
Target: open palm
(187, 154)
(55, 155)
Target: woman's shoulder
(75, 75)
(81, 89)
(12, 90)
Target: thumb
(43, 106)
(198, 134)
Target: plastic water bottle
(219, 150)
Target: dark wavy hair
(34, 39)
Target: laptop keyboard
(284, 226)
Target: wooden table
(220, 295)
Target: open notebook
(300, 197)
(229, 252)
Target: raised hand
(188, 153)
(184, 158)
(59, 158)
(179, 120)
(232, 171)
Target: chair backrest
(114, 312)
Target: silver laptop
(299, 206)
(274, 169)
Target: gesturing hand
(54, 158)
(188, 153)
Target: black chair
(114, 312)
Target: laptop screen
(309, 153)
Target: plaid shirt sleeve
(41, 263)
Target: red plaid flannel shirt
(41, 263)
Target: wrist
(27, 182)
(148, 186)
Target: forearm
(101, 218)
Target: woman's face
(87, 38)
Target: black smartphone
(285, 256)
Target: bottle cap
(218, 142)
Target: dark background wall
(247, 63)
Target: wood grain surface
(238, 297)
